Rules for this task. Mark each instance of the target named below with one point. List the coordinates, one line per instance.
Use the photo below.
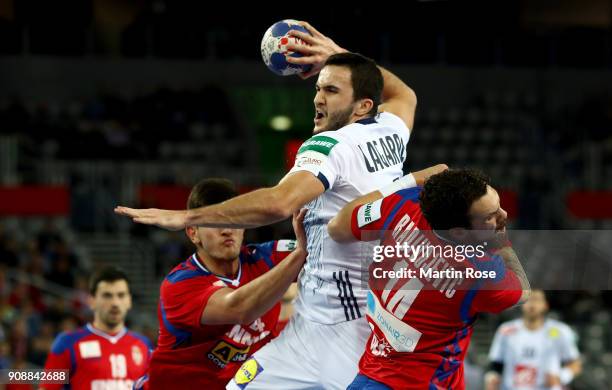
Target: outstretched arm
(397, 97)
(339, 227)
(261, 207)
(249, 302)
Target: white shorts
(306, 355)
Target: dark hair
(366, 78)
(211, 191)
(108, 274)
(447, 197)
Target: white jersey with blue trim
(528, 355)
(350, 162)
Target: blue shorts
(362, 382)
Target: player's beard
(112, 321)
(338, 119)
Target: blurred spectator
(8, 250)
(61, 271)
(18, 339)
(48, 237)
(5, 355)
(40, 344)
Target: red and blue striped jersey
(192, 355)
(98, 360)
(422, 323)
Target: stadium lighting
(280, 123)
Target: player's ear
(91, 302)
(191, 233)
(364, 106)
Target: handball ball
(274, 48)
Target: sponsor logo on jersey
(240, 335)
(111, 384)
(224, 352)
(525, 376)
(379, 347)
(309, 158)
(285, 245)
(383, 153)
(401, 336)
(247, 373)
(318, 143)
(90, 349)
(369, 213)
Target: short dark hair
(366, 78)
(211, 191)
(107, 274)
(446, 197)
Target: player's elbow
(525, 294)
(410, 97)
(337, 231)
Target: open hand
(166, 219)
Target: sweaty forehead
(339, 76)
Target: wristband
(403, 182)
(566, 375)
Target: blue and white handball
(274, 48)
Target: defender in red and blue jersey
(102, 354)
(422, 316)
(221, 304)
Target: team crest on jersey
(224, 353)
(247, 373)
(137, 355)
(369, 213)
(553, 333)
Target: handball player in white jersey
(533, 352)
(363, 117)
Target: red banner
(35, 201)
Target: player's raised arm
(249, 302)
(339, 227)
(260, 207)
(397, 97)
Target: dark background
(106, 102)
